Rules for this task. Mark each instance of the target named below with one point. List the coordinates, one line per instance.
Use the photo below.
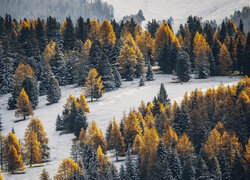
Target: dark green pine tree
(224, 165)
(160, 169)
(175, 164)
(83, 70)
(237, 168)
(149, 75)
(202, 172)
(118, 78)
(46, 74)
(59, 123)
(129, 73)
(95, 54)
(81, 30)
(246, 67)
(223, 32)
(68, 35)
(214, 168)
(141, 83)
(181, 119)
(203, 72)
(241, 26)
(210, 34)
(115, 52)
(78, 45)
(156, 107)
(58, 66)
(152, 27)
(2, 29)
(122, 173)
(90, 161)
(31, 88)
(164, 59)
(80, 122)
(216, 52)
(122, 127)
(71, 74)
(104, 69)
(212, 64)
(40, 35)
(131, 169)
(188, 170)
(107, 135)
(162, 96)
(53, 31)
(113, 173)
(183, 67)
(240, 53)
(53, 91)
(6, 72)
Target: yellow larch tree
(83, 137)
(23, 106)
(145, 43)
(184, 146)
(49, 51)
(137, 144)
(224, 62)
(32, 148)
(149, 119)
(83, 104)
(169, 136)
(148, 149)
(96, 138)
(94, 85)
(107, 35)
(67, 169)
(127, 58)
(94, 33)
(13, 152)
(1, 176)
(132, 128)
(85, 50)
(44, 175)
(116, 139)
(104, 162)
(36, 125)
(23, 71)
(200, 51)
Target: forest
(206, 136)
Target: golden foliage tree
(36, 125)
(23, 71)
(31, 148)
(94, 33)
(96, 137)
(13, 152)
(132, 128)
(116, 139)
(200, 50)
(246, 159)
(145, 43)
(225, 62)
(83, 137)
(1, 176)
(49, 51)
(127, 58)
(23, 106)
(94, 85)
(184, 146)
(85, 50)
(148, 149)
(83, 104)
(67, 169)
(137, 144)
(107, 35)
(104, 162)
(169, 136)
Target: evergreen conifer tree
(44, 175)
(118, 79)
(53, 91)
(149, 75)
(183, 67)
(59, 123)
(246, 66)
(68, 34)
(162, 96)
(30, 87)
(141, 83)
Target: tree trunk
(116, 155)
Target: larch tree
(107, 35)
(246, 159)
(1, 176)
(83, 104)
(116, 139)
(225, 61)
(127, 61)
(145, 43)
(44, 175)
(36, 125)
(132, 128)
(94, 85)
(2, 149)
(32, 148)
(83, 137)
(104, 163)
(23, 105)
(13, 154)
(94, 32)
(200, 51)
(148, 150)
(184, 146)
(67, 169)
(169, 136)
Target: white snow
(102, 111)
(178, 9)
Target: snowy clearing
(102, 111)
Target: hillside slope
(178, 9)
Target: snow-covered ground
(178, 9)
(102, 111)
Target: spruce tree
(183, 67)
(30, 87)
(122, 173)
(53, 91)
(1, 123)
(175, 164)
(68, 35)
(141, 83)
(118, 79)
(188, 170)
(80, 122)
(246, 66)
(105, 70)
(59, 123)
(202, 172)
(95, 54)
(81, 30)
(149, 75)
(162, 96)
